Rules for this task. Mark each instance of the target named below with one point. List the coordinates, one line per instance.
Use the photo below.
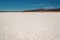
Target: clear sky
(18, 5)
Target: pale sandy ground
(29, 26)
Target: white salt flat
(30, 26)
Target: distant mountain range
(43, 10)
(37, 10)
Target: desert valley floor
(30, 26)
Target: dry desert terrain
(30, 26)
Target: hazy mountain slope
(42, 10)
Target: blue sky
(19, 5)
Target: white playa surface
(29, 26)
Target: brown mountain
(42, 10)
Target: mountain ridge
(42, 10)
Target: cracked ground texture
(30, 26)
